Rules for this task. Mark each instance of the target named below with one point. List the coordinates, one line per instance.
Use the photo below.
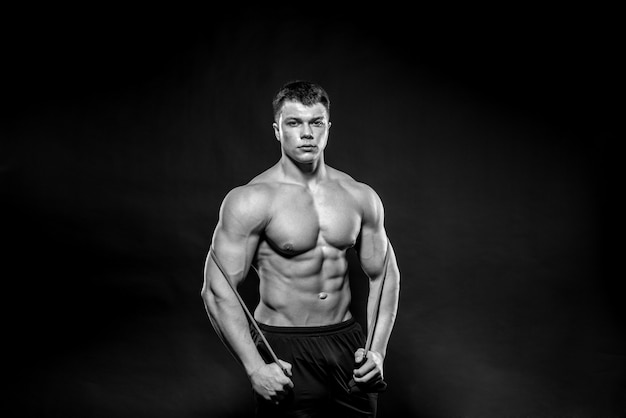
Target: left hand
(371, 371)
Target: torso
(301, 255)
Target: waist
(310, 330)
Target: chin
(305, 161)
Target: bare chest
(302, 219)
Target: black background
(489, 135)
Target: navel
(322, 295)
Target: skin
(295, 223)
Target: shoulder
(247, 195)
(369, 201)
(255, 193)
(246, 207)
(357, 188)
(258, 194)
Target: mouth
(307, 147)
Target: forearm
(387, 310)
(230, 323)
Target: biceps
(372, 250)
(235, 251)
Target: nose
(307, 132)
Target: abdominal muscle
(307, 289)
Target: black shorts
(322, 360)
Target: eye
(291, 123)
(318, 123)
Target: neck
(303, 173)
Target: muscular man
(294, 224)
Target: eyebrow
(314, 118)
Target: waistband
(317, 330)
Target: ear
(276, 131)
(329, 124)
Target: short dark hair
(305, 92)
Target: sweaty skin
(295, 223)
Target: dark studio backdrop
(489, 141)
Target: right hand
(271, 382)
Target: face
(302, 131)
